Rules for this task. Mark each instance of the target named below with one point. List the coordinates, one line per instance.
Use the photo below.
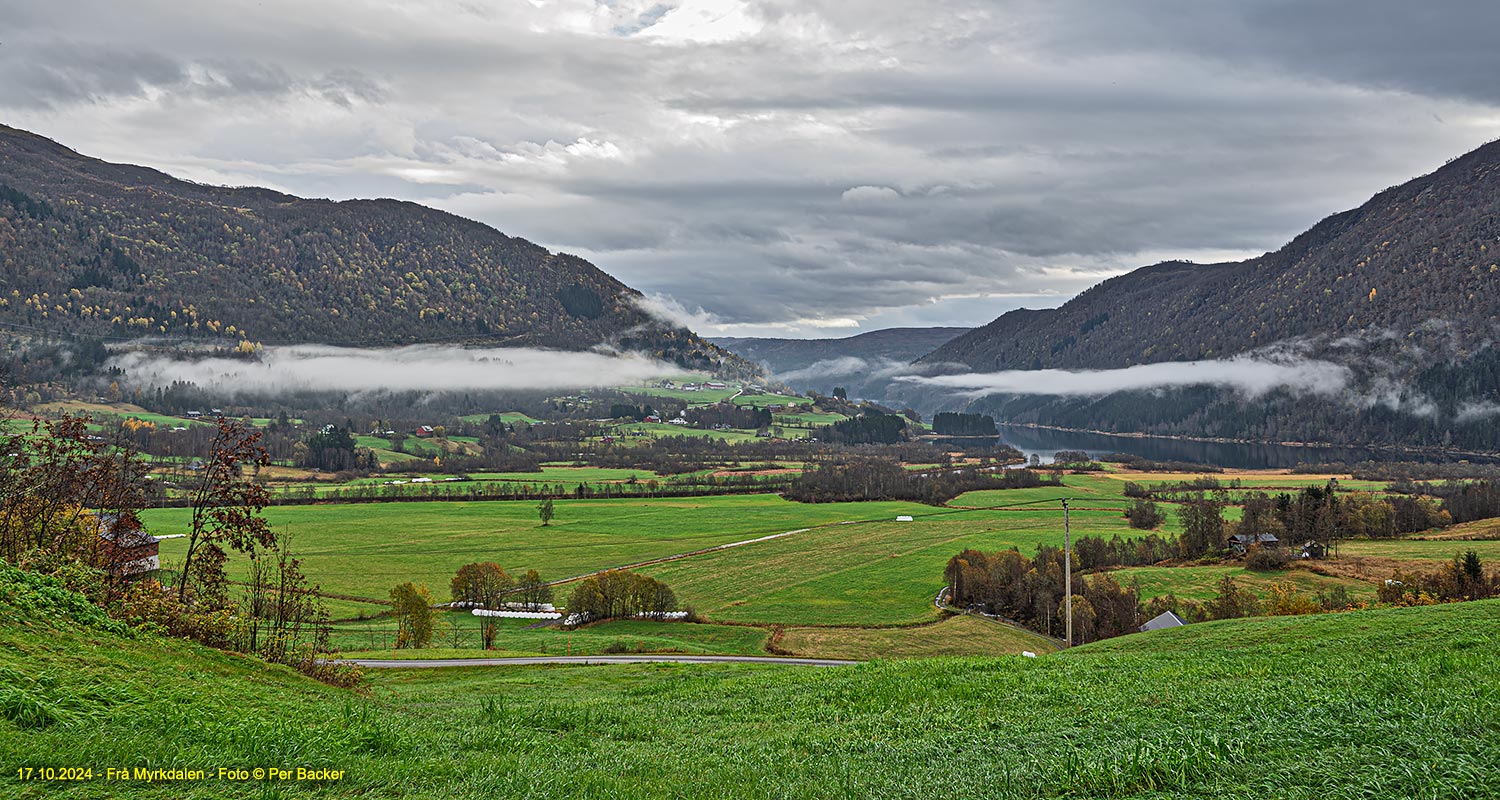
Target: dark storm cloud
(811, 166)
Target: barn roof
(1165, 619)
(111, 529)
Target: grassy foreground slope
(1392, 703)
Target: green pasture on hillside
(808, 419)
(701, 397)
(763, 400)
(1423, 549)
(1204, 583)
(508, 417)
(657, 430)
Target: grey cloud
(61, 72)
(49, 74)
(1443, 48)
(646, 19)
(1474, 412)
(1028, 148)
(866, 369)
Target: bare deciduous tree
(226, 510)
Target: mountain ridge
(128, 251)
(1402, 293)
(1415, 252)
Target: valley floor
(833, 580)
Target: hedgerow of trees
(882, 479)
(620, 593)
(487, 585)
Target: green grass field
(657, 430)
(508, 417)
(701, 397)
(1392, 703)
(1421, 549)
(362, 550)
(881, 573)
(411, 446)
(15, 425)
(807, 419)
(159, 420)
(571, 475)
(1265, 483)
(1202, 583)
(877, 573)
(763, 400)
(261, 422)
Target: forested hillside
(113, 250)
(1417, 263)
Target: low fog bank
(428, 368)
(1251, 376)
(847, 367)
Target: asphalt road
(530, 661)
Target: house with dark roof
(1242, 542)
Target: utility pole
(1068, 571)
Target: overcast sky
(789, 167)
